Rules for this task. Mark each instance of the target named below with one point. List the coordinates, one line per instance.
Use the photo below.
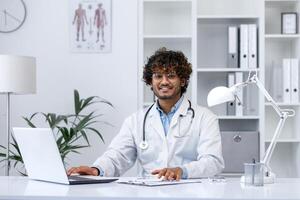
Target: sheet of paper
(156, 181)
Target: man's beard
(166, 97)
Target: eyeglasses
(158, 76)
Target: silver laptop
(42, 158)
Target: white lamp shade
(220, 95)
(17, 74)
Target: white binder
(232, 47)
(243, 46)
(231, 105)
(286, 80)
(250, 100)
(252, 51)
(238, 103)
(294, 63)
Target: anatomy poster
(90, 26)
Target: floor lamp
(17, 76)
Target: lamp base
(270, 179)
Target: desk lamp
(17, 76)
(223, 94)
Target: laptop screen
(40, 154)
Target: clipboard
(156, 182)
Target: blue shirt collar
(173, 109)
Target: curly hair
(167, 59)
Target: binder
(250, 100)
(231, 105)
(252, 51)
(232, 47)
(294, 63)
(286, 80)
(243, 46)
(238, 103)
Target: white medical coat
(196, 146)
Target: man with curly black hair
(164, 61)
(172, 138)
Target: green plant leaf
(29, 120)
(72, 148)
(15, 145)
(106, 123)
(77, 102)
(23, 174)
(87, 102)
(54, 120)
(59, 141)
(105, 102)
(33, 115)
(65, 133)
(75, 139)
(83, 133)
(97, 132)
(16, 158)
(83, 122)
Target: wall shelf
(167, 37)
(291, 140)
(282, 36)
(165, 1)
(226, 17)
(283, 1)
(238, 117)
(283, 104)
(212, 69)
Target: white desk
(22, 188)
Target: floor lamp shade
(17, 74)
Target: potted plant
(68, 129)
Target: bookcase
(199, 28)
(278, 46)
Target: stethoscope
(144, 144)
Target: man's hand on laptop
(83, 170)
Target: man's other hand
(169, 173)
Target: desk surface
(22, 188)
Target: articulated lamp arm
(260, 86)
(283, 114)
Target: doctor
(173, 138)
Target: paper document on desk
(156, 181)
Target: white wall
(113, 76)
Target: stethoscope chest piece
(144, 145)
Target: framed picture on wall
(90, 26)
(289, 23)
